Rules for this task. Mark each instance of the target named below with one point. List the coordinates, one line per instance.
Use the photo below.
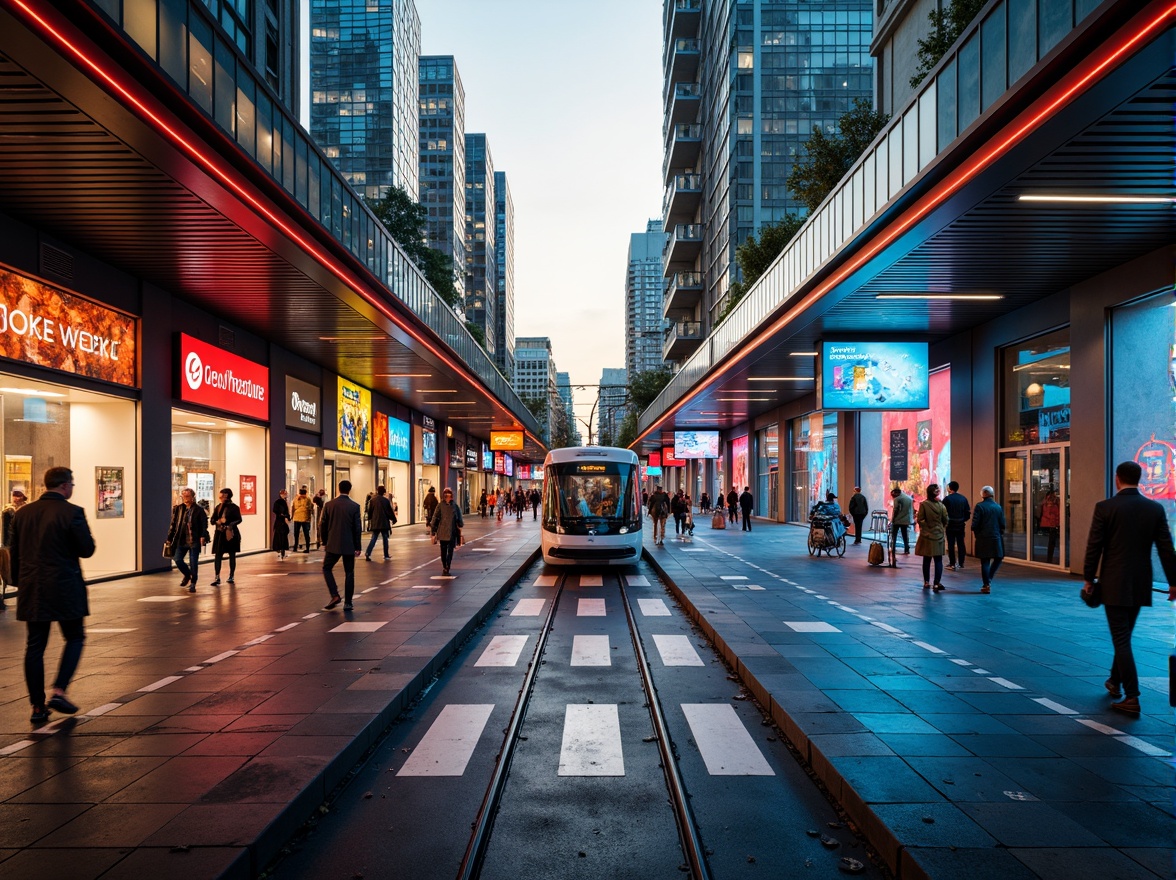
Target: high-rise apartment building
(644, 288)
(442, 160)
(504, 323)
(481, 288)
(563, 385)
(535, 380)
(745, 83)
(363, 80)
(611, 404)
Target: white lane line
(591, 651)
(443, 577)
(426, 587)
(163, 598)
(980, 671)
(369, 589)
(502, 651)
(732, 577)
(528, 608)
(677, 651)
(959, 662)
(591, 741)
(590, 608)
(1101, 728)
(1143, 746)
(447, 746)
(747, 587)
(724, 743)
(288, 626)
(887, 627)
(591, 580)
(156, 685)
(110, 630)
(102, 710)
(930, 648)
(383, 583)
(259, 640)
(653, 608)
(193, 668)
(693, 550)
(546, 580)
(1057, 707)
(637, 580)
(17, 746)
(219, 657)
(311, 616)
(356, 626)
(482, 550)
(811, 626)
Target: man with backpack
(659, 511)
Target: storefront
(813, 440)
(767, 471)
(428, 471)
(304, 454)
(353, 440)
(391, 444)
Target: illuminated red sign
(211, 376)
(668, 459)
(655, 459)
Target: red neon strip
(325, 260)
(959, 177)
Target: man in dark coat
(187, 535)
(958, 512)
(1122, 533)
(988, 525)
(341, 540)
(446, 526)
(49, 538)
(746, 503)
(381, 517)
(733, 505)
(858, 508)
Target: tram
(591, 506)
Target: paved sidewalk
(968, 735)
(212, 725)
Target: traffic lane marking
(448, 744)
(726, 747)
(502, 651)
(591, 741)
(677, 651)
(591, 651)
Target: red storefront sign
(211, 376)
(248, 495)
(668, 459)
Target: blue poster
(874, 376)
(428, 447)
(399, 438)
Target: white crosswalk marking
(726, 747)
(546, 580)
(357, 626)
(677, 651)
(811, 626)
(590, 608)
(653, 607)
(591, 651)
(591, 741)
(637, 580)
(447, 745)
(591, 580)
(502, 651)
(528, 608)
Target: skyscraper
(745, 83)
(504, 324)
(363, 80)
(611, 404)
(481, 267)
(644, 286)
(535, 380)
(563, 384)
(442, 160)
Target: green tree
(646, 386)
(476, 332)
(627, 430)
(561, 431)
(754, 258)
(537, 404)
(828, 157)
(946, 26)
(404, 219)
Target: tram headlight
(624, 530)
(559, 530)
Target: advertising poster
(499, 463)
(109, 494)
(696, 444)
(487, 458)
(899, 444)
(509, 463)
(428, 447)
(739, 463)
(379, 435)
(916, 446)
(399, 439)
(882, 376)
(524, 472)
(355, 408)
(248, 496)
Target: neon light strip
(958, 178)
(225, 177)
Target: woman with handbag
(445, 525)
(226, 536)
(280, 536)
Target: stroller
(826, 533)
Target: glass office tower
(644, 285)
(442, 160)
(504, 306)
(481, 267)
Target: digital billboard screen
(882, 376)
(428, 447)
(696, 444)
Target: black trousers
(1121, 620)
(955, 542)
(746, 520)
(446, 553)
(34, 659)
(857, 528)
(329, 560)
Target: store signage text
(506, 440)
(303, 404)
(214, 377)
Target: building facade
(364, 86)
(611, 404)
(645, 325)
(567, 400)
(481, 267)
(504, 256)
(535, 380)
(442, 160)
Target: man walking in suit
(341, 540)
(746, 503)
(49, 538)
(1124, 529)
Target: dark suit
(1122, 533)
(49, 538)
(988, 525)
(340, 529)
(746, 502)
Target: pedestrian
(988, 525)
(303, 512)
(932, 519)
(491, 500)
(430, 504)
(704, 503)
(746, 503)
(959, 511)
(382, 518)
(733, 505)
(1123, 532)
(482, 505)
(342, 520)
(280, 534)
(49, 538)
(901, 517)
(320, 498)
(644, 499)
(859, 507)
(678, 509)
(536, 500)
(226, 536)
(659, 510)
(446, 524)
(19, 499)
(1050, 522)
(187, 534)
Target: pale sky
(569, 96)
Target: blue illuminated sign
(487, 458)
(874, 376)
(428, 447)
(399, 439)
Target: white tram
(591, 507)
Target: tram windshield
(590, 496)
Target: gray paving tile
(1018, 824)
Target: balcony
(682, 340)
(683, 292)
(685, 101)
(684, 244)
(682, 198)
(682, 60)
(683, 149)
(685, 17)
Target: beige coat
(932, 520)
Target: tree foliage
(946, 26)
(627, 430)
(828, 157)
(537, 404)
(755, 256)
(646, 386)
(404, 219)
(476, 332)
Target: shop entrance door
(1035, 495)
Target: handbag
(168, 550)
(230, 533)
(1093, 598)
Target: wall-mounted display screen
(428, 447)
(509, 462)
(399, 439)
(355, 413)
(487, 458)
(696, 444)
(874, 376)
(671, 460)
